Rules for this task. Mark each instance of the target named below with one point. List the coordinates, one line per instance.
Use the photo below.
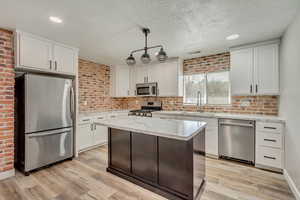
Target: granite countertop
(263, 118)
(92, 114)
(169, 128)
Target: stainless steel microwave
(146, 89)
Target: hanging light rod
(145, 58)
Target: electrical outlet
(245, 103)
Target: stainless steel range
(147, 108)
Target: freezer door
(48, 103)
(48, 147)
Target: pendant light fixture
(145, 58)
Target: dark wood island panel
(172, 168)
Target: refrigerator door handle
(72, 100)
(54, 132)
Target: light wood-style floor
(85, 178)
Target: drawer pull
(86, 120)
(113, 116)
(100, 117)
(269, 140)
(273, 158)
(268, 127)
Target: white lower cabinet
(84, 137)
(89, 134)
(269, 146)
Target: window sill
(208, 105)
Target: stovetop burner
(147, 109)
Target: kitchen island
(162, 155)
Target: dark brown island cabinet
(172, 168)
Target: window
(207, 88)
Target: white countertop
(169, 128)
(264, 118)
(92, 114)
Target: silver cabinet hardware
(91, 127)
(55, 63)
(269, 140)
(256, 88)
(95, 126)
(100, 118)
(50, 64)
(250, 88)
(269, 157)
(128, 92)
(268, 127)
(86, 120)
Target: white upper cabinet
(255, 70)
(141, 74)
(266, 69)
(36, 53)
(121, 86)
(65, 58)
(241, 72)
(168, 75)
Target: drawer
(85, 120)
(269, 127)
(99, 118)
(269, 139)
(270, 157)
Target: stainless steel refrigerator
(44, 120)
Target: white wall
(290, 97)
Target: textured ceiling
(105, 31)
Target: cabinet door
(84, 137)
(100, 135)
(211, 136)
(141, 74)
(266, 70)
(119, 152)
(241, 72)
(64, 59)
(166, 76)
(122, 81)
(34, 52)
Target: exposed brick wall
(6, 101)
(94, 88)
(218, 62)
(260, 105)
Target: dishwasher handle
(236, 124)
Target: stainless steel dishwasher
(237, 140)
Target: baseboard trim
(292, 185)
(7, 174)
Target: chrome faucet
(199, 101)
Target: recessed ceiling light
(55, 19)
(233, 37)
